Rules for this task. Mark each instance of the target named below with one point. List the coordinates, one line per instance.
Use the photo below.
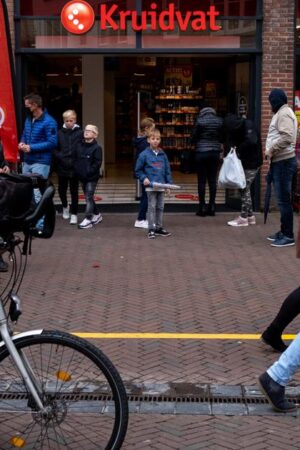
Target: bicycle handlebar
(41, 208)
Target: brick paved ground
(205, 278)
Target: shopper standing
(38, 141)
(280, 151)
(140, 143)
(153, 166)
(242, 134)
(207, 137)
(68, 137)
(87, 163)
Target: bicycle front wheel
(84, 395)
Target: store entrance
(128, 88)
(169, 89)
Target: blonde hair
(154, 132)
(146, 124)
(93, 128)
(69, 113)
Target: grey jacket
(208, 131)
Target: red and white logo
(77, 17)
(2, 116)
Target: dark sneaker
(151, 234)
(275, 236)
(275, 393)
(162, 232)
(3, 266)
(283, 242)
(273, 341)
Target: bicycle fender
(17, 336)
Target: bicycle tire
(82, 388)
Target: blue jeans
(40, 169)
(282, 173)
(288, 363)
(155, 209)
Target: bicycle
(58, 391)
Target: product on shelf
(176, 111)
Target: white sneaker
(97, 218)
(238, 222)
(66, 213)
(73, 220)
(86, 223)
(141, 224)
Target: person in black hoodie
(140, 144)
(87, 163)
(207, 136)
(68, 137)
(242, 134)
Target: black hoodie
(277, 99)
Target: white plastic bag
(232, 175)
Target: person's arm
(286, 129)
(96, 160)
(139, 168)
(50, 138)
(168, 172)
(4, 167)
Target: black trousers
(63, 183)
(207, 165)
(290, 308)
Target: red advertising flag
(8, 122)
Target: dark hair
(34, 98)
(203, 104)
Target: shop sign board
(8, 123)
(78, 17)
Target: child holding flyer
(153, 166)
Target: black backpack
(17, 205)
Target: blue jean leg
(39, 169)
(155, 209)
(288, 363)
(283, 172)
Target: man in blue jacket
(38, 140)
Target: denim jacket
(154, 167)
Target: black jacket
(63, 155)
(208, 131)
(88, 160)
(242, 134)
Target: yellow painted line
(199, 336)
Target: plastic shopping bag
(232, 175)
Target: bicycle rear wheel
(84, 393)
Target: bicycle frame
(20, 361)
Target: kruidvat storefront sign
(78, 17)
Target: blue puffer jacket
(154, 167)
(41, 135)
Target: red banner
(8, 122)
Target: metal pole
(138, 187)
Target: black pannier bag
(17, 204)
